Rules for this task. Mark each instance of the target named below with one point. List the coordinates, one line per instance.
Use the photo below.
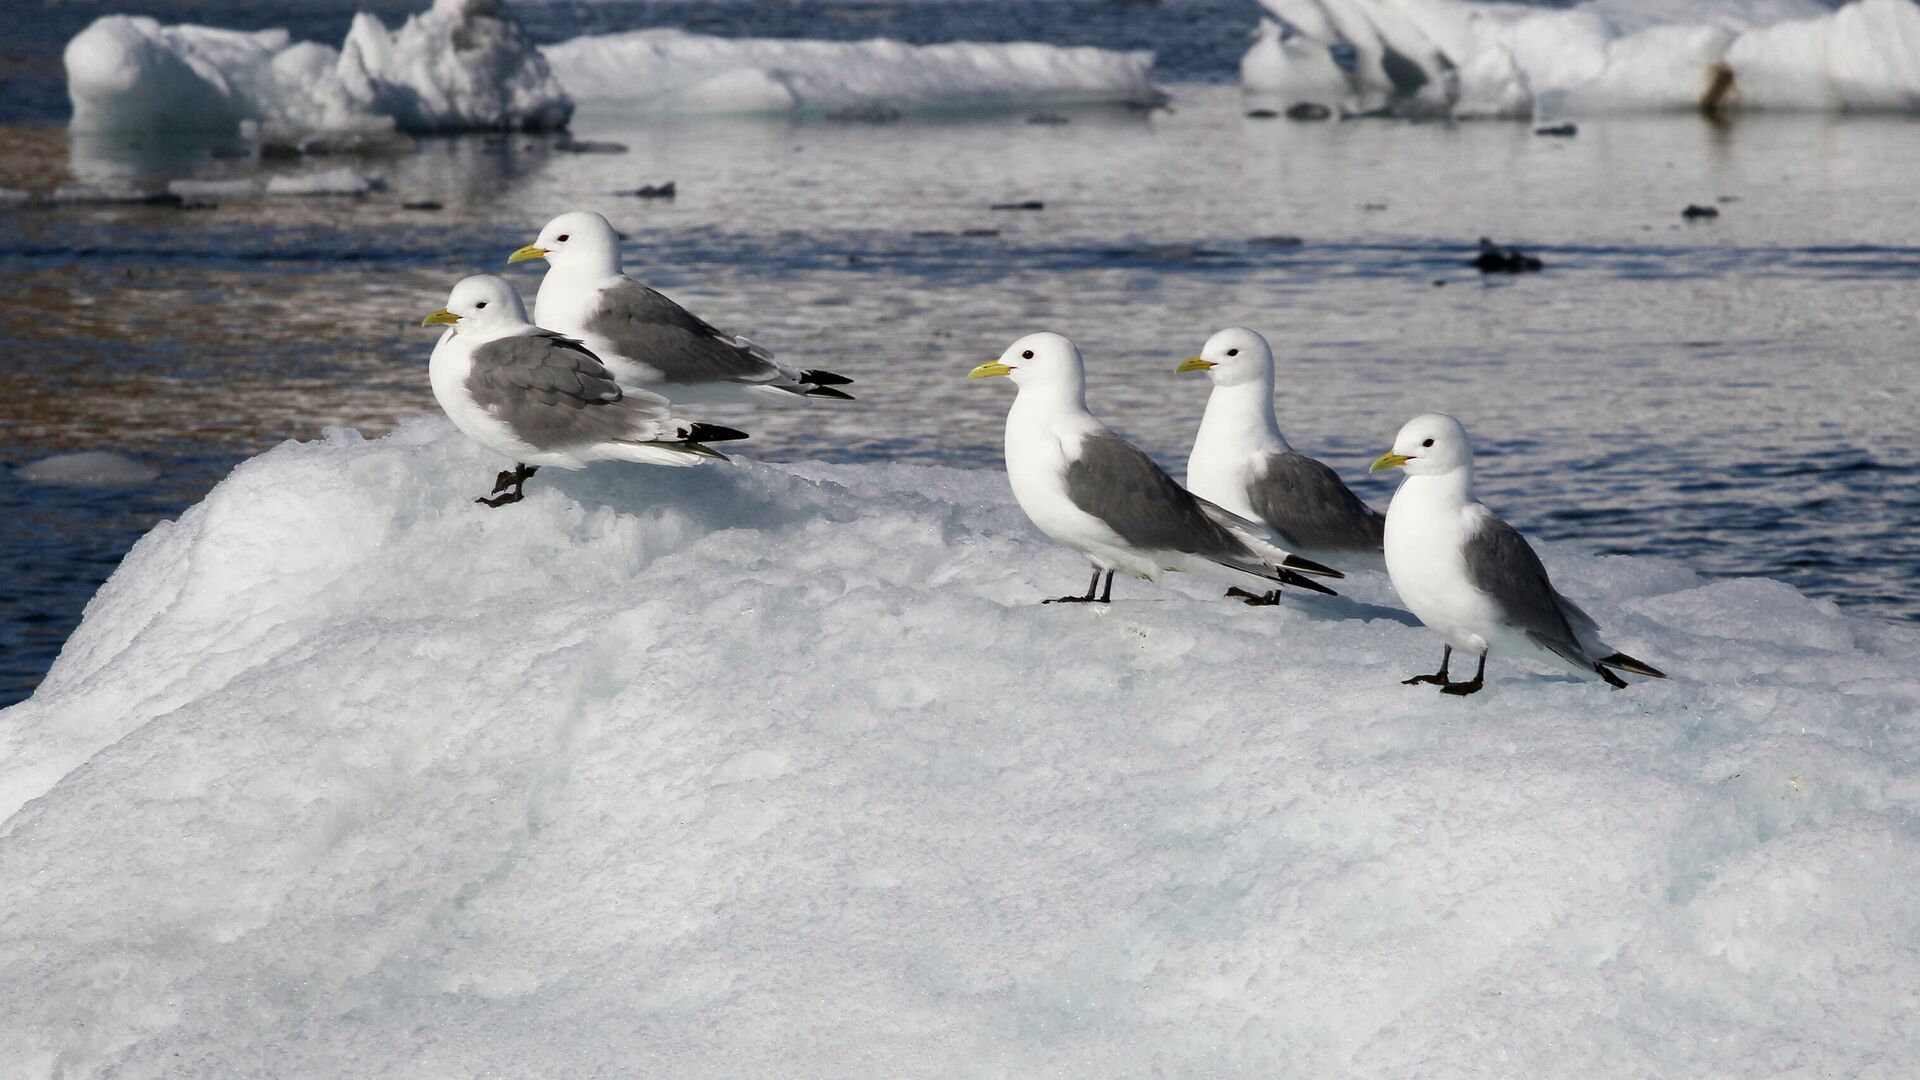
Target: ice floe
(465, 65)
(461, 65)
(675, 71)
(770, 770)
(1469, 60)
(87, 468)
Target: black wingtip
(1288, 577)
(1308, 566)
(705, 433)
(1628, 663)
(823, 378)
(827, 392)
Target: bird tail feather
(1628, 663)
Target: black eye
(1233, 352)
(561, 239)
(1429, 442)
(1028, 355)
(483, 303)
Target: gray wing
(554, 393)
(1117, 483)
(1503, 565)
(1311, 509)
(647, 328)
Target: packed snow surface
(1468, 59)
(756, 770)
(461, 65)
(674, 71)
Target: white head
(478, 305)
(1234, 356)
(1430, 445)
(578, 240)
(1045, 359)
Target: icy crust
(462, 65)
(674, 71)
(783, 771)
(1468, 60)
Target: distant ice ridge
(465, 65)
(674, 71)
(462, 65)
(783, 771)
(1468, 60)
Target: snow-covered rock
(767, 770)
(1474, 59)
(461, 65)
(674, 71)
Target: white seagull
(1091, 490)
(645, 339)
(1243, 463)
(543, 399)
(1470, 576)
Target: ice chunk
(87, 468)
(460, 65)
(1514, 60)
(675, 71)
(783, 771)
(340, 181)
(190, 188)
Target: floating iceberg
(766, 770)
(674, 71)
(1466, 59)
(462, 65)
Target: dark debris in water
(1494, 259)
(1030, 204)
(1696, 212)
(654, 191)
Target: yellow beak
(1194, 363)
(1389, 461)
(988, 370)
(443, 317)
(531, 251)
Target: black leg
(1462, 689)
(516, 479)
(1613, 680)
(1106, 591)
(1438, 678)
(1092, 584)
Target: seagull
(1470, 576)
(1241, 462)
(1093, 491)
(543, 399)
(645, 339)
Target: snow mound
(783, 771)
(87, 468)
(1467, 59)
(461, 65)
(675, 71)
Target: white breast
(1425, 550)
